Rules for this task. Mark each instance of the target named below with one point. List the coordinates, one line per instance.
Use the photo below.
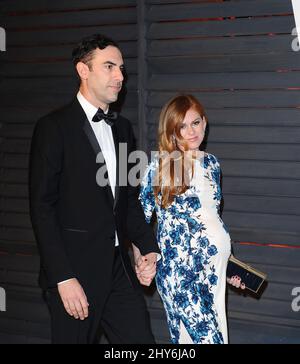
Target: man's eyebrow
(113, 64)
(110, 62)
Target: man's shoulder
(125, 127)
(58, 116)
(59, 112)
(123, 122)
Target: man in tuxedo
(80, 225)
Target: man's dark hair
(85, 49)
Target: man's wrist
(67, 280)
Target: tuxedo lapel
(80, 115)
(91, 136)
(116, 141)
(97, 149)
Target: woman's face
(192, 129)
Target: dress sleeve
(216, 176)
(219, 188)
(146, 195)
(218, 172)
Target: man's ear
(83, 70)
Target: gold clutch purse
(251, 277)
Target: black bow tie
(109, 118)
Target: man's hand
(74, 299)
(145, 266)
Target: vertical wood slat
(142, 74)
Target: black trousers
(123, 317)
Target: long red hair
(169, 135)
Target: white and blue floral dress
(195, 247)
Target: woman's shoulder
(154, 163)
(210, 159)
(149, 169)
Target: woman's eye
(198, 122)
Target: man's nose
(119, 75)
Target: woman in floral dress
(194, 243)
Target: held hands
(145, 266)
(235, 281)
(74, 299)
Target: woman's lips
(193, 139)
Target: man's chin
(114, 98)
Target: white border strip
(2, 299)
(296, 7)
(2, 40)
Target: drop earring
(173, 139)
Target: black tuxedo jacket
(74, 219)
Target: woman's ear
(205, 122)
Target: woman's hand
(235, 281)
(145, 266)
(136, 255)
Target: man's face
(105, 78)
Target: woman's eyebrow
(198, 118)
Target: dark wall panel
(270, 319)
(236, 57)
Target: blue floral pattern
(186, 274)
